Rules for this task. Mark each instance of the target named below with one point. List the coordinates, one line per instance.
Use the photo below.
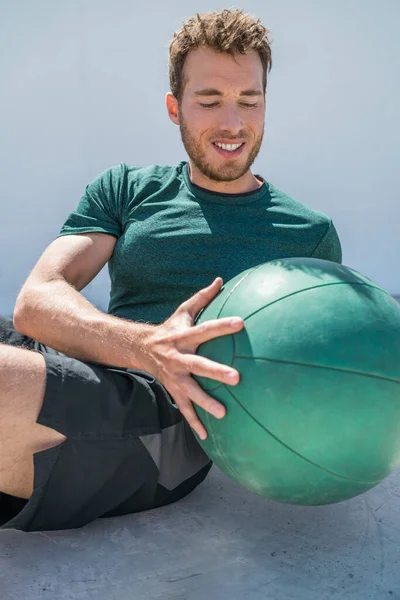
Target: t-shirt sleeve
(329, 247)
(99, 209)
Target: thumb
(202, 298)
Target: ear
(172, 108)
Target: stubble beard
(231, 171)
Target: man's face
(222, 103)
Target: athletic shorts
(128, 447)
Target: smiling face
(221, 118)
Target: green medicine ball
(315, 418)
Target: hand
(170, 355)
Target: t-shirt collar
(222, 198)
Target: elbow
(20, 313)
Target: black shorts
(128, 447)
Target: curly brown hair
(230, 30)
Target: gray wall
(83, 85)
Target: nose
(231, 120)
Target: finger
(203, 297)
(211, 329)
(204, 367)
(187, 410)
(206, 402)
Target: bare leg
(22, 386)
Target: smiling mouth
(228, 147)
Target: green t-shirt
(174, 237)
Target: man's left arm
(329, 247)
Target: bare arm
(51, 309)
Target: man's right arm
(51, 309)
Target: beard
(232, 169)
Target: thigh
(22, 387)
(126, 449)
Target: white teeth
(230, 147)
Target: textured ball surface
(315, 418)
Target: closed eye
(245, 104)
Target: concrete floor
(220, 543)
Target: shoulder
(149, 174)
(130, 180)
(127, 185)
(139, 174)
(296, 211)
(314, 228)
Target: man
(97, 410)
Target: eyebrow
(215, 92)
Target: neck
(247, 183)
